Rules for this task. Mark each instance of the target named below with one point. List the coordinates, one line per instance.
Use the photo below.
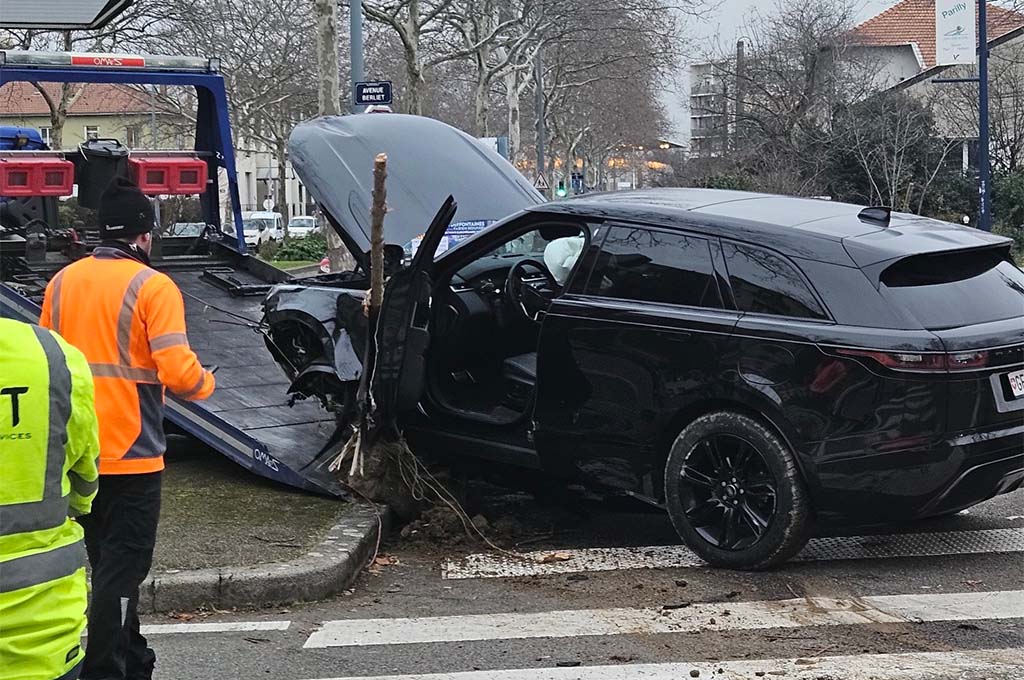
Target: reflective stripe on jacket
(49, 446)
(129, 321)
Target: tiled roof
(22, 99)
(913, 21)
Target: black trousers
(119, 536)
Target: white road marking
(816, 611)
(911, 666)
(221, 627)
(487, 565)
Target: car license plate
(1016, 384)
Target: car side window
(765, 283)
(655, 266)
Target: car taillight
(923, 363)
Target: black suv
(754, 364)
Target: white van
(262, 227)
(301, 226)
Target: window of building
(92, 132)
(133, 136)
(654, 266)
(764, 283)
(44, 132)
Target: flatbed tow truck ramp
(248, 418)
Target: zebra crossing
(928, 544)
(971, 632)
(981, 665)
(699, 617)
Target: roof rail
(876, 214)
(117, 62)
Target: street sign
(955, 32)
(62, 15)
(378, 92)
(540, 184)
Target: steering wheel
(518, 293)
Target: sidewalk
(228, 538)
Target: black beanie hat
(124, 210)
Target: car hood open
(427, 161)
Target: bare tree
(957, 106)
(892, 141)
(262, 48)
(501, 39)
(412, 21)
(600, 73)
(142, 23)
(329, 99)
(774, 107)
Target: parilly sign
(956, 37)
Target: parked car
(185, 229)
(756, 365)
(262, 227)
(301, 226)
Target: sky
(723, 28)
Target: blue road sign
(378, 92)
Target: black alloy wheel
(728, 492)
(734, 493)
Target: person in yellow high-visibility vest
(49, 448)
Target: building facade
(709, 110)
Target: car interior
(483, 361)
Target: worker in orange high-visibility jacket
(129, 322)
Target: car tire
(751, 511)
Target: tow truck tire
(735, 495)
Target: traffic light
(560, 191)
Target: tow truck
(249, 418)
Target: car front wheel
(734, 493)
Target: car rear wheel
(734, 493)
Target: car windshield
(527, 244)
(257, 223)
(302, 222)
(957, 289)
(185, 229)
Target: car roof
(810, 228)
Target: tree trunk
(59, 114)
(481, 105)
(280, 153)
(58, 117)
(327, 57)
(413, 65)
(380, 174)
(481, 93)
(515, 134)
(414, 105)
(329, 98)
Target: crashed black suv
(754, 364)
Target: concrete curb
(326, 570)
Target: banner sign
(956, 35)
(457, 231)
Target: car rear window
(950, 290)
(764, 283)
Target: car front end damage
(317, 335)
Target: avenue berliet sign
(956, 33)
